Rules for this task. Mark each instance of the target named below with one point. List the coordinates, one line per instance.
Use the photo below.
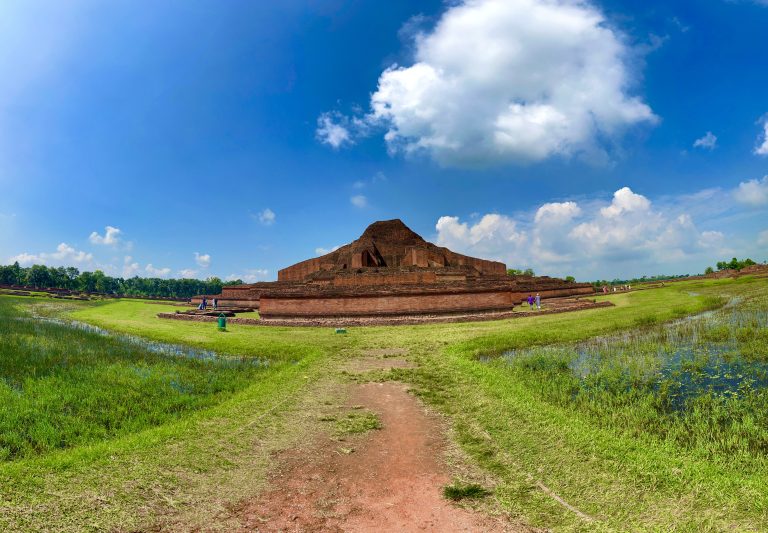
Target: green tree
(39, 277)
(12, 274)
(86, 282)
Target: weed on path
(386, 479)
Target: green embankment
(603, 462)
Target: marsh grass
(700, 382)
(609, 465)
(62, 386)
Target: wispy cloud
(267, 217)
(322, 251)
(187, 273)
(331, 131)
(203, 260)
(359, 201)
(708, 142)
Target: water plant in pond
(701, 381)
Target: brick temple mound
(390, 275)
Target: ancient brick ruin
(390, 271)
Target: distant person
(530, 301)
(605, 289)
(538, 301)
(215, 304)
(204, 304)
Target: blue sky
(600, 139)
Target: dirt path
(391, 481)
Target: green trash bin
(222, 322)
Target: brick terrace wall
(401, 304)
(400, 278)
(298, 271)
(482, 265)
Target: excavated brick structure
(391, 271)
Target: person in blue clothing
(530, 301)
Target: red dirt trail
(392, 481)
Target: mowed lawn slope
(624, 476)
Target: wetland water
(722, 354)
(160, 348)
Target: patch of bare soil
(389, 479)
(385, 352)
(359, 366)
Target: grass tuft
(358, 422)
(459, 491)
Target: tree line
(733, 264)
(633, 281)
(518, 272)
(70, 278)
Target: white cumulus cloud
(130, 267)
(557, 212)
(64, 255)
(187, 273)
(627, 235)
(708, 142)
(762, 147)
(111, 236)
(752, 192)
(508, 81)
(203, 260)
(157, 272)
(251, 275)
(26, 259)
(267, 217)
(491, 236)
(625, 201)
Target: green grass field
(611, 445)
